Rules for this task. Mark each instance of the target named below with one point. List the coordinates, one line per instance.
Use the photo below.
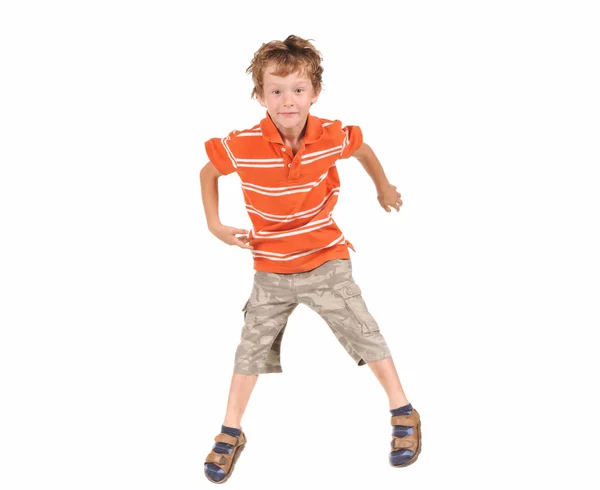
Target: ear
(315, 97)
(261, 101)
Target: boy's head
(287, 78)
(290, 56)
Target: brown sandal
(412, 441)
(226, 461)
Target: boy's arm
(209, 187)
(387, 195)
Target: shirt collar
(314, 130)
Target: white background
(120, 312)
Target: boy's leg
(265, 317)
(331, 291)
(239, 394)
(385, 372)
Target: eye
(299, 90)
(276, 92)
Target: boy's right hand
(228, 234)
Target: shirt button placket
(289, 165)
(284, 151)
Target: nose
(288, 99)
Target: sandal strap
(216, 458)
(227, 439)
(406, 420)
(408, 442)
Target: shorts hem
(267, 370)
(379, 358)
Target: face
(287, 99)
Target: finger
(240, 231)
(246, 242)
(241, 244)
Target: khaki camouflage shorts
(330, 291)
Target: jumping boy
(287, 167)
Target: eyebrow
(275, 84)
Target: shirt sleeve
(220, 152)
(353, 139)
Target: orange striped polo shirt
(289, 198)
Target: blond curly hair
(289, 56)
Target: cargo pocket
(248, 315)
(357, 307)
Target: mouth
(288, 113)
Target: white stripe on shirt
(258, 165)
(322, 223)
(284, 218)
(276, 256)
(315, 153)
(277, 191)
(335, 152)
(229, 152)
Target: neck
(292, 136)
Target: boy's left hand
(389, 196)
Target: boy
(287, 166)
